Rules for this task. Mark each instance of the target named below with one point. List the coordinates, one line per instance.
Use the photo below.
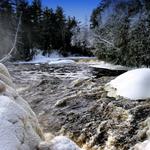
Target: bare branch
(14, 44)
(103, 40)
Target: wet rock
(61, 103)
(99, 72)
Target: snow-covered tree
(122, 31)
(82, 36)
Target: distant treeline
(41, 28)
(122, 31)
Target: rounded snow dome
(134, 84)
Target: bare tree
(8, 55)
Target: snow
(134, 84)
(63, 143)
(143, 146)
(61, 62)
(56, 58)
(83, 36)
(11, 129)
(13, 124)
(103, 64)
(107, 13)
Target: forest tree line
(122, 31)
(119, 31)
(41, 28)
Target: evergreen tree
(47, 30)
(36, 14)
(41, 28)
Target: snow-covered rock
(65, 61)
(144, 131)
(4, 71)
(59, 143)
(19, 127)
(142, 146)
(63, 143)
(134, 84)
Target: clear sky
(81, 9)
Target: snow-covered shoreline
(56, 58)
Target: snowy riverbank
(56, 58)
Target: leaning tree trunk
(8, 55)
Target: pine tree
(47, 30)
(41, 28)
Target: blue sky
(81, 9)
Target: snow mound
(63, 143)
(134, 84)
(61, 62)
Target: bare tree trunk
(5, 58)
